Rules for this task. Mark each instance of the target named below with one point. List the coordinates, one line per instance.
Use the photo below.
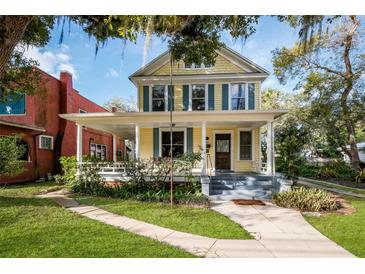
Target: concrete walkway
(283, 232)
(279, 232)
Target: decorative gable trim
(235, 58)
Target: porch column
(137, 143)
(79, 144)
(270, 149)
(204, 148)
(114, 148)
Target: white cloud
(54, 61)
(112, 73)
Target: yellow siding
(222, 65)
(178, 90)
(218, 96)
(140, 98)
(238, 165)
(197, 139)
(146, 147)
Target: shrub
(306, 199)
(290, 141)
(10, 152)
(69, 168)
(336, 169)
(148, 181)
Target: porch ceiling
(123, 123)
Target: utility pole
(169, 90)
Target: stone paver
(279, 232)
(283, 232)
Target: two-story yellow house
(216, 110)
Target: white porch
(129, 126)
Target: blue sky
(105, 76)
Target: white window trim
(168, 130)
(165, 93)
(106, 150)
(191, 96)
(202, 66)
(40, 142)
(246, 93)
(232, 166)
(252, 144)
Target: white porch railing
(117, 170)
(116, 167)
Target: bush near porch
(149, 180)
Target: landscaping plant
(10, 152)
(306, 199)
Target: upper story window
(198, 97)
(238, 96)
(197, 66)
(15, 104)
(158, 98)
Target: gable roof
(233, 56)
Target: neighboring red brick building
(46, 135)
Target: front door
(223, 151)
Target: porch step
(248, 192)
(226, 187)
(229, 197)
(232, 183)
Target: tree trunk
(355, 159)
(12, 29)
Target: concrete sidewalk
(284, 232)
(277, 236)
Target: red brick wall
(54, 97)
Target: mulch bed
(346, 207)
(248, 202)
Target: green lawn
(200, 221)
(35, 227)
(346, 230)
(338, 186)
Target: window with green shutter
(225, 97)
(146, 98)
(251, 96)
(185, 97)
(211, 96)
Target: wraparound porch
(201, 132)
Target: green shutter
(146, 98)
(211, 97)
(189, 139)
(185, 97)
(225, 97)
(251, 96)
(171, 101)
(156, 142)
